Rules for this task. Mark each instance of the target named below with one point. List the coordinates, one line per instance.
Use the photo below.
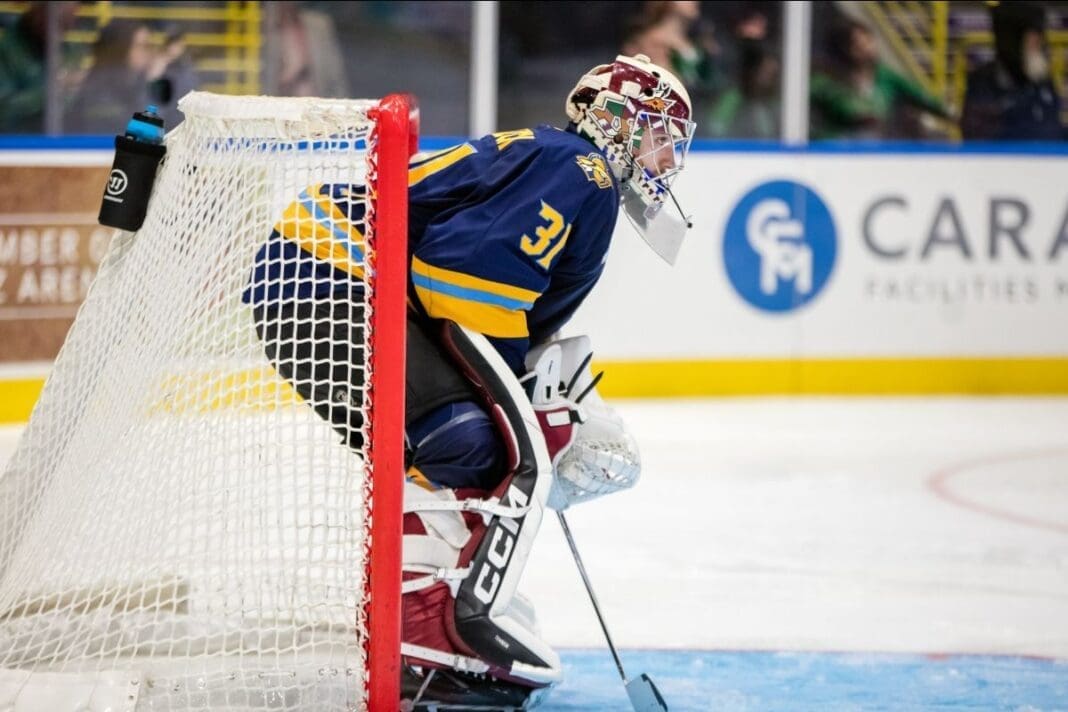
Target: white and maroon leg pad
(434, 536)
(464, 612)
(437, 526)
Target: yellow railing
(225, 38)
(918, 33)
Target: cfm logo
(780, 245)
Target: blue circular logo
(780, 246)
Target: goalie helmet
(639, 115)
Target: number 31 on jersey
(550, 237)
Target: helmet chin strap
(685, 218)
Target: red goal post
(398, 129)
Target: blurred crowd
(728, 54)
(731, 72)
(127, 70)
(1013, 97)
(132, 64)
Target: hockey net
(178, 529)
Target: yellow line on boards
(673, 379)
(17, 398)
(890, 376)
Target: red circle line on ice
(939, 483)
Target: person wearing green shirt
(751, 109)
(23, 72)
(859, 96)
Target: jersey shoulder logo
(596, 170)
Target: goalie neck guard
(639, 115)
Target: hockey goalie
(507, 236)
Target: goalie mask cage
(179, 530)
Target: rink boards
(830, 270)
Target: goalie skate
(431, 689)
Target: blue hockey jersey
(507, 235)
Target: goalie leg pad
(482, 617)
(484, 626)
(438, 525)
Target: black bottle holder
(130, 183)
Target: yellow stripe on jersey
(505, 139)
(416, 477)
(460, 279)
(420, 158)
(324, 238)
(489, 307)
(483, 318)
(337, 215)
(439, 162)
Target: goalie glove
(592, 452)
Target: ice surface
(698, 681)
(931, 527)
(812, 524)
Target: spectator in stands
(23, 73)
(672, 34)
(117, 84)
(309, 61)
(752, 108)
(749, 24)
(1012, 97)
(171, 75)
(858, 96)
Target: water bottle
(138, 153)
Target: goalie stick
(644, 697)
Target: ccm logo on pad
(500, 552)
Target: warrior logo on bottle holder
(117, 183)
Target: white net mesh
(178, 528)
